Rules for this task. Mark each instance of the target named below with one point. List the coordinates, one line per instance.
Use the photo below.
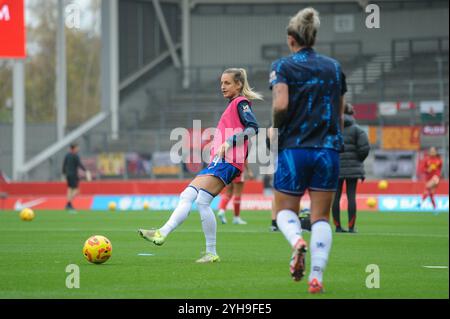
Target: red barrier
(177, 186)
(400, 187)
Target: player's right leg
(69, 198)
(274, 226)
(237, 193)
(224, 202)
(179, 215)
(321, 237)
(210, 183)
(322, 188)
(289, 224)
(72, 184)
(352, 184)
(431, 186)
(289, 187)
(336, 207)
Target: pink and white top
(229, 125)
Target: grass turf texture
(34, 256)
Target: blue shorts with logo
(221, 169)
(299, 169)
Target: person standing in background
(430, 168)
(70, 168)
(356, 150)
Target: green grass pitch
(34, 256)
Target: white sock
(320, 245)
(289, 224)
(208, 218)
(221, 212)
(180, 213)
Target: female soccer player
(228, 154)
(234, 190)
(431, 167)
(307, 90)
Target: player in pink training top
(228, 154)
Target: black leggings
(351, 197)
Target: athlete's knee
(317, 218)
(204, 198)
(189, 194)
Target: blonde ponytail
(240, 75)
(303, 26)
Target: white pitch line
(146, 254)
(436, 267)
(241, 230)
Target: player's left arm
(248, 120)
(280, 102)
(280, 93)
(80, 164)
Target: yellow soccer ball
(146, 205)
(383, 184)
(112, 206)
(371, 202)
(97, 249)
(27, 214)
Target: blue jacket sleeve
(248, 120)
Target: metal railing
(438, 45)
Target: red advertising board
(367, 111)
(12, 29)
(400, 138)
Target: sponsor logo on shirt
(273, 76)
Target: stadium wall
(177, 186)
(242, 36)
(38, 137)
(163, 195)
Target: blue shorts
(221, 169)
(300, 169)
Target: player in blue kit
(308, 102)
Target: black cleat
(273, 228)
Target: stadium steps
(415, 78)
(373, 70)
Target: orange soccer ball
(97, 249)
(27, 214)
(371, 202)
(383, 184)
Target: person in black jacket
(70, 170)
(356, 150)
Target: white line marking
(436, 267)
(146, 254)
(243, 231)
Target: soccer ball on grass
(27, 214)
(97, 249)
